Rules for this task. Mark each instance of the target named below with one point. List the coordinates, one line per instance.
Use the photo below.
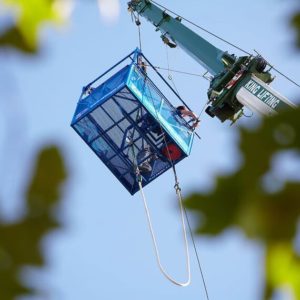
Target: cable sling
(164, 272)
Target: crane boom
(237, 81)
(209, 56)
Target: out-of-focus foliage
(29, 15)
(296, 24)
(246, 195)
(20, 242)
(246, 200)
(255, 201)
(282, 269)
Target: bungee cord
(183, 212)
(162, 269)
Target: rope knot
(177, 187)
(139, 177)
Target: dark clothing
(149, 123)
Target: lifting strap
(164, 272)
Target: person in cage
(141, 64)
(184, 112)
(145, 159)
(148, 123)
(168, 151)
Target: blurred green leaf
(243, 201)
(20, 242)
(30, 16)
(45, 188)
(10, 285)
(296, 24)
(14, 38)
(282, 269)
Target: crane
(236, 81)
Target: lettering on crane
(261, 93)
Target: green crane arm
(209, 56)
(236, 82)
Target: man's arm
(186, 112)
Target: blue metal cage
(127, 122)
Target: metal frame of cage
(114, 138)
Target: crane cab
(244, 83)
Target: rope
(187, 255)
(137, 22)
(272, 67)
(178, 193)
(190, 230)
(203, 108)
(178, 190)
(140, 36)
(188, 267)
(180, 72)
(168, 63)
(248, 116)
(196, 253)
(286, 77)
(182, 208)
(170, 77)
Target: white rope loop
(188, 267)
